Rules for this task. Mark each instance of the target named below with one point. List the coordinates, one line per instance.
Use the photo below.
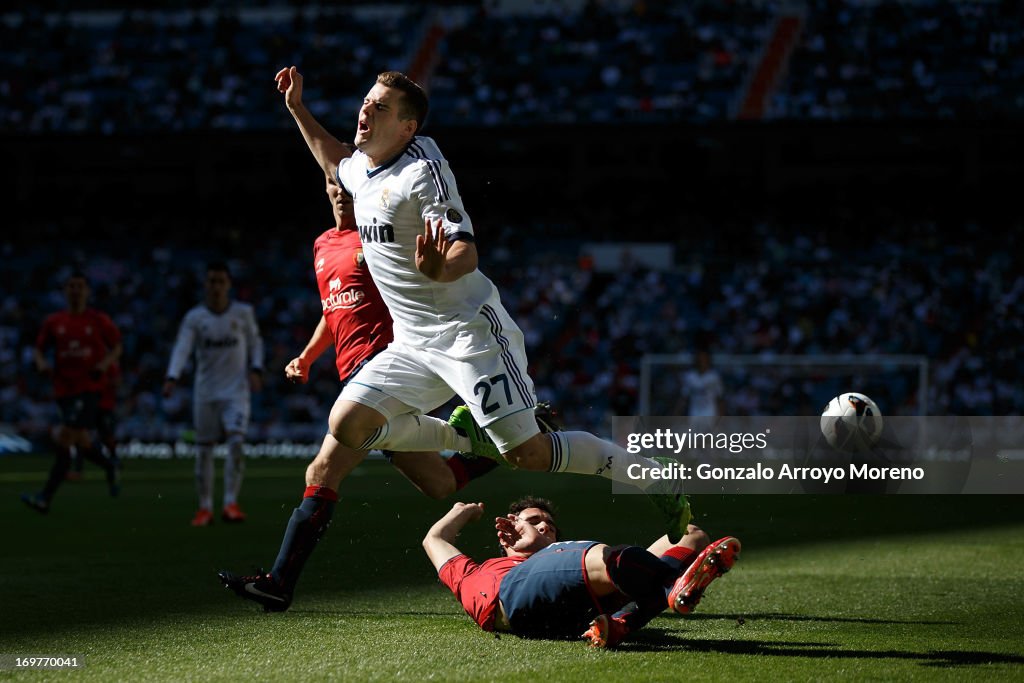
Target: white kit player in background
(228, 349)
(452, 334)
(702, 389)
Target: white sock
(204, 476)
(416, 433)
(584, 453)
(234, 470)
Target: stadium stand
(177, 67)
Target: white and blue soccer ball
(851, 422)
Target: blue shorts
(548, 595)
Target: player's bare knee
(353, 424)
(349, 432)
(346, 437)
(315, 474)
(534, 454)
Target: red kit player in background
(86, 343)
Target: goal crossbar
(832, 362)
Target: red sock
(467, 469)
(321, 492)
(679, 558)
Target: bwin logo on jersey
(219, 342)
(377, 233)
(335, 284)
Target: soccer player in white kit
(702, 388)
(452, 334)
(228, 349)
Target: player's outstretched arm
(297, 369)
(441, 260)
(439, 543)
(327, 149)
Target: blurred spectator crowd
(769, 287)
(131, 70)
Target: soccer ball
(851, 422)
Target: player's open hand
(517, 534)
(289, 82)
(297, 371)
(432, 250)
(508, 534)
(471, 511)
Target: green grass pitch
(828, 588)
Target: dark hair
(413, 104)
(517, 506)
(218, 267)
(76, 275)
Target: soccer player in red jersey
(85, 342)
(543, 587)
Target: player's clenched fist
(289, 82)
(296, 371)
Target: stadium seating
(905, 293)
(129, 70)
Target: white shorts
(484, 362)
(214, 420)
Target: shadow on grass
(655, 641)
(777, 616)
(740, 618)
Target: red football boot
(715, 560)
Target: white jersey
(704, 390)
(227, 345)
(392, 202)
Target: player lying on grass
(546, 588)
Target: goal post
(785, 384)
